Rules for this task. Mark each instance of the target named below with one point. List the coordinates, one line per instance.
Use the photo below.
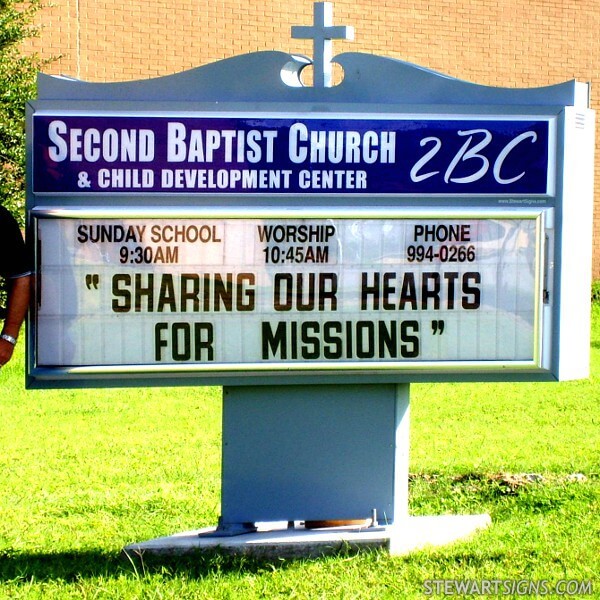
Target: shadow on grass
(64, 566)
(504, 494)
(68, 567)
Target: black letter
(144, 291)
(190, 294)
(158, 340)
(310, 339)
(289, 281)
(405, 349)
(388, 339)
(187, 339)
(276, 343)
(450, 278)
(166, 295)
(82, 231)
(408, 293)
(366, 290)
(223, 292)
(242, 293)
(200, 344)
(333, 347)
(474, 291)
(433, 294)
(118, 293)
(362, 328)
(325, 294)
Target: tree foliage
(17, 85)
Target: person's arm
(16, 309)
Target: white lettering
(91, 145)
(176, 147)
(60, 150)
(298, 134)
(465, 154)
(333, 147)
(507, 150)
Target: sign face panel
(198, 292)
(305, 154)
(232, 225)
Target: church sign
(313, 249)
(230, 224)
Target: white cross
(322, 32)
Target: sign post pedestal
(330, 455)
(315, 453)
(336, 456)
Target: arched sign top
(275, 77)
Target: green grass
(83, 473)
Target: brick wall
(512, 43)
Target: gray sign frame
(270, 83)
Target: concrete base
(275, 540)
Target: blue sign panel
(198, 154)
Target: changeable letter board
(412, 293)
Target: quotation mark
(437, 327)
(92, 281)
